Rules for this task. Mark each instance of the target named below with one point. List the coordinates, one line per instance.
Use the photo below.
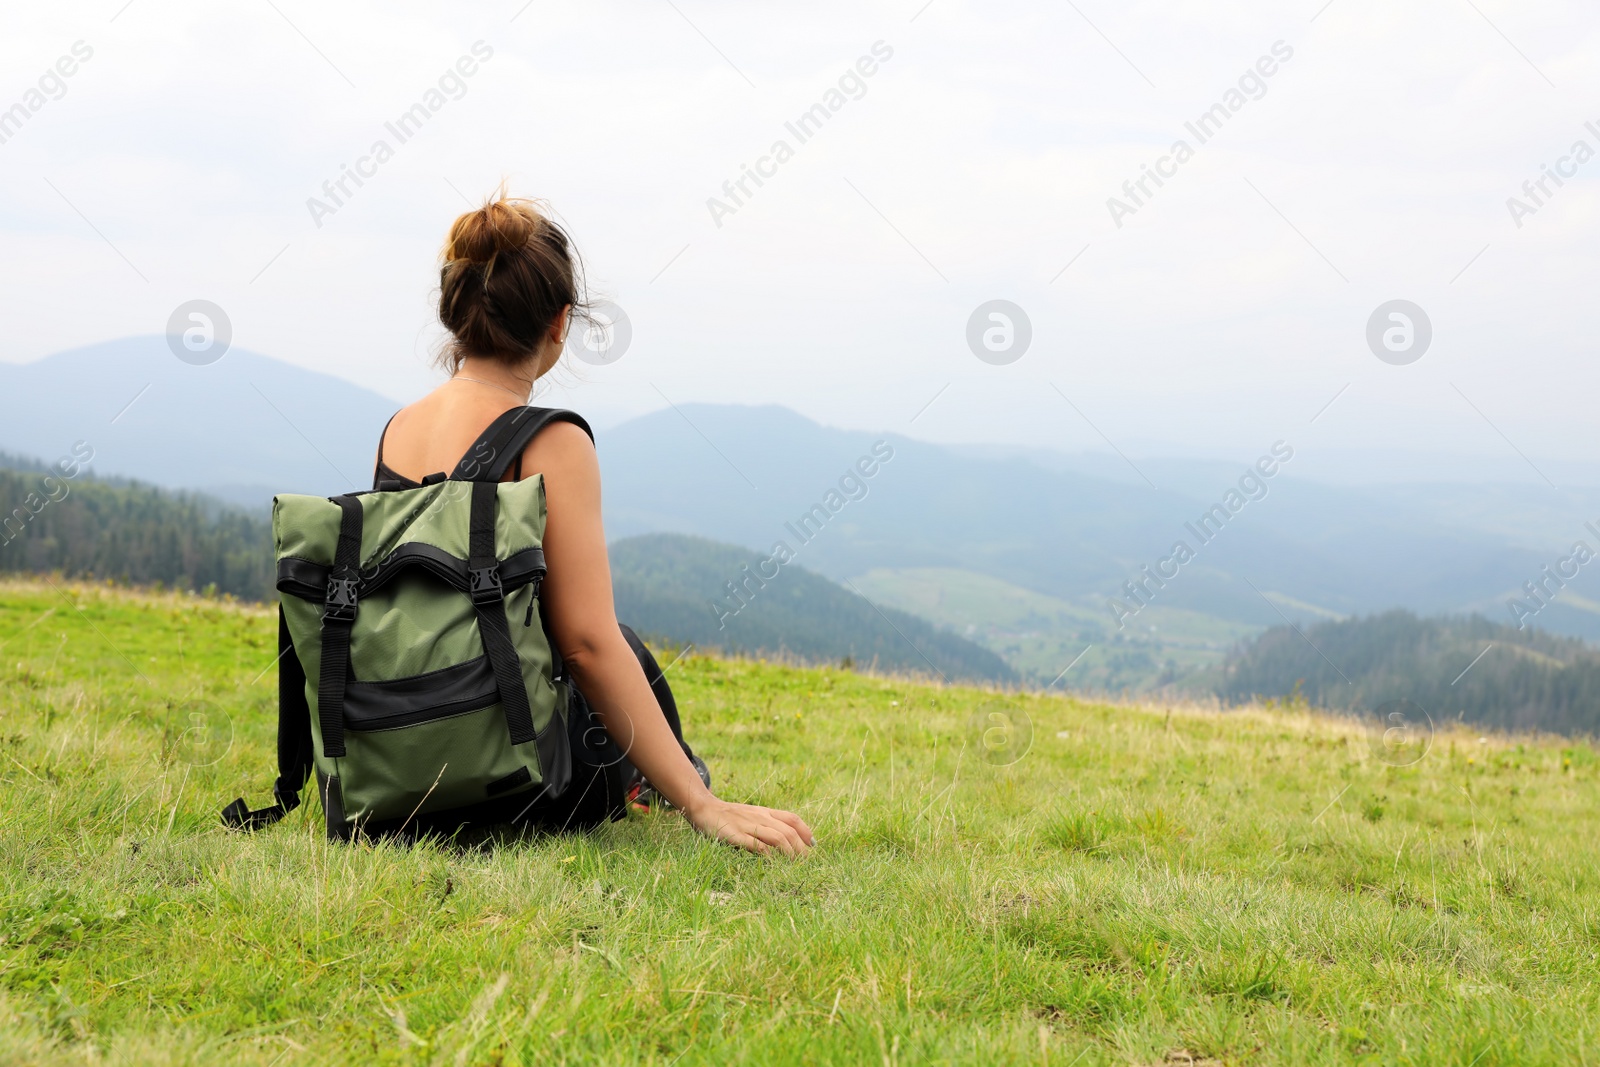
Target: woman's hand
(750, 827)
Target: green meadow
(1040, 635)
(999, 878)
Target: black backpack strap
(294, 742)
(338, 617)
(489, 600)
(485, 464)
(501, 445)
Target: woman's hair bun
(499, 226)
(508, 277)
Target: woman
(508, 290)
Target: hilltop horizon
(1027, 551)
(1341, 466)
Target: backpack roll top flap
(430, 682)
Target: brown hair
(508, 271)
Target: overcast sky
(1225, 311)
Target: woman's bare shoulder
(561, 448)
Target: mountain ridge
(248, 426)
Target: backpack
(411, 675)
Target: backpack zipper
(533, 599)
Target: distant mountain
(1074, 529)
(242, 428)
(739, 474)
(1465, 668)
(676, 587)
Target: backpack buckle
(339, 602)
(485, 584)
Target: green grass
(1145, 885)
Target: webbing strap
(493, 454)
(489, 599)
(487, 452)
(294, 742)
(502, 444)
(480, 528)
(338, 616)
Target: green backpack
(412, 675)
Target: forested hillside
(1525, 679)
(665, 585)
(671, 586)
(129, 532)
(676, 587)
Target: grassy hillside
(1039, 635)
(1466, 668)
(1140, 885)
(675, 587)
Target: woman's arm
(578, 602)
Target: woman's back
(434, 434)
